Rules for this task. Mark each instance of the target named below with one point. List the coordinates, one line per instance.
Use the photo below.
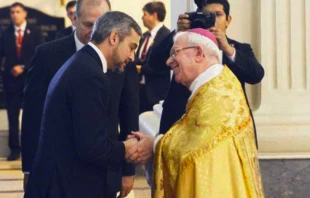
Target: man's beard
(118, 64)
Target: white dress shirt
(22, 28)
(78, 43)
(203, 78)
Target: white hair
(209, 46)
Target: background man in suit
(47, 61)
(17, 46)
(74, 150)
(154, 80)
(239, 57)
(70, 8)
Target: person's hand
(26, 176)
(222, 41)
(143, 151)
(183, 23)
(127, 185)
(17, 70)
(129, 144)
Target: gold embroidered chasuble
(210, 152)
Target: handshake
(139, 148)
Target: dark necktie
(19, 42)
(144, 50)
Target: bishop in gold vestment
(210, 152)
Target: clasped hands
(139, 148)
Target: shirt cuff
(26, 173)
(156, 141)
(233, 57)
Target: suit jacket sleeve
(246, 67)
(90, 117)
(129, 110)
(34, 96)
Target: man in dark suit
(75, 150)
(154, 80)
(70, 8)
(17, 46)
(47, 61)
(237, 56)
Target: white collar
(102, 58)
(156, 29)
(22, 27)
(205, 77)
(78, 43)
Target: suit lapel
(158, 35)
(26, 39)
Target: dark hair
(17, 4)
(114, 21)
(224, 3)
(79, 3)
(70, 4)
(156, 7)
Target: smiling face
(124, 52)
(182, 63)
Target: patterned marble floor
(11, 181)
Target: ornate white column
(283, 118)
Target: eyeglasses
(174, 52)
